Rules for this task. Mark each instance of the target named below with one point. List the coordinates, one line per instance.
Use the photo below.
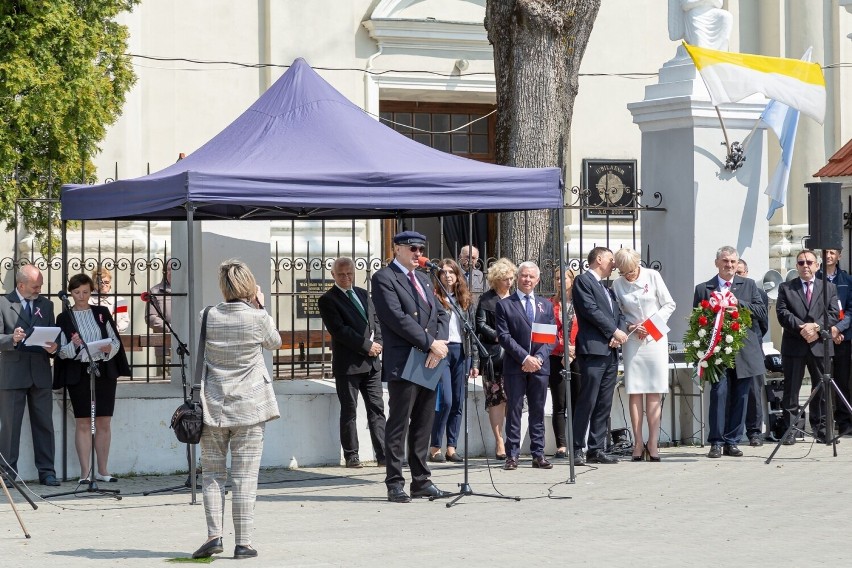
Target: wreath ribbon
(720, 302)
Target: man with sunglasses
(801, 313)
(410, 317)
(729, 395)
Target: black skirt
(79, 394)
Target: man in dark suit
(526, 365)
(841, 334)
(801, 311)
(602, 329)
(411, 318)
(754, 408)
(356, 341)
(25, 376)
(729, 395)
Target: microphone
(145, 296)
(63, 295)
(426, 264)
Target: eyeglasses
(415, 248)
(106, 282)
(804, 262)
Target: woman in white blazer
(238, 400)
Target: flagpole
(724, 130)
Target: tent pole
(569, 416)
(196, 388)
(64, 246)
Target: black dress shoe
(600, 457)
(209, 548)
(398, 495)
(428, 491)
(732, 450)
(755, 441)
(560, 455)
(381, 463)
(354, 462)
(579, 458)
(511, 464)
(241, 551)
(541, 462)
(789, 440)
(715, 451)
(50, 480)
(455, 458)
(500, 457)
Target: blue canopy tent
(303, 151)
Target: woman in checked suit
(238, 400)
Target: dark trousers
(794, 372)
(754, 410)
(559, 396)
(728, 401)
(40, 403)
(841, 376)
(411, 410)
(534, 386)
(450, 398)
(576, 384)
(370, 387)
(600, 373)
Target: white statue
(700, 22)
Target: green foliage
(64, 73)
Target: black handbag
(188, 419)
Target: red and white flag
(655, 326)
(121, 306)
(543, 333)
(840, 315)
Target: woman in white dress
(641, 293)
(117, 304)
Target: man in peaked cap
(410, 318)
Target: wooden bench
(302, 340)
(133, 342)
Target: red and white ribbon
(724, 300)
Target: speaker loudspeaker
(771, 281)
(825, 216)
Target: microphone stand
(465, 489)
(94, 372)
(182, 352)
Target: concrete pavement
(687, 510)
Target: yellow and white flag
(731, 77)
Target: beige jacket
(237, 386)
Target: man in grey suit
(729, 395)
(25, 376)
(468, 260)
(411, 318)
(602, 329)
(356, 342)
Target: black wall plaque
(612, 189)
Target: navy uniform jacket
(405, 319)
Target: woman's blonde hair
(99, 274)
(236, 281)
(627, 260)
(500, 270)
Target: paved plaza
(687, 510)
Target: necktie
(808, 286)
(529, 308)
(28, 311)
(606, 293)
(727, 284)
(358, 306)
(416, 285)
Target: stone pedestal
(707, 206)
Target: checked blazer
(236, 389)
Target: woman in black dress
(501, 276)
(94, 323)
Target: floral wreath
(718, 328)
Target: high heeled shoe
(641, 456)
(649, 456)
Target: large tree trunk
(538, 47)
